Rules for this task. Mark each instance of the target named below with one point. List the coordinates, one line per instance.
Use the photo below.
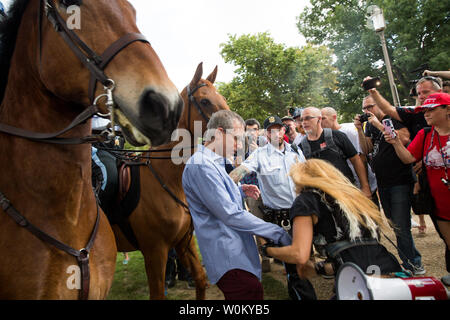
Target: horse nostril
(154, 104)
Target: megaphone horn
(353, 284)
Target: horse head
(147, 104)
(201, 99)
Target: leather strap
(110, 53)
(82, 255)
(53, 137)
(165, 187)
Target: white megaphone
(353, 284)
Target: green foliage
(416, 33)
(271, 76)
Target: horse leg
(155, 265)
(187, 253)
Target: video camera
(371, 83)
(418, 71)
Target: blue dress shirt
(223, 228)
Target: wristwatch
(263, 248)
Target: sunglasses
(307, 118)
(434, 79)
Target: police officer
(272, 164)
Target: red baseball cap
(434, 100)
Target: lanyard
(441, 151)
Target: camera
(371, 83)
(364, 117)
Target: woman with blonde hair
(331, 212)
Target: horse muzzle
(154, 119)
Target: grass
(130, 280)
(130, 283)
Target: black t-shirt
(340, 162)
(413, 121)
(333, 226)
(388, 168)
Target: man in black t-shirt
(395, 180)
(331, 145)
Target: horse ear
(197, 76)
(212, 77)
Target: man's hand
(373, 120)
(251, 191)
(357, 123)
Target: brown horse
(160, 222)
(43, 87)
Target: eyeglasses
(434, 79)
(370, 106)
(307, 118)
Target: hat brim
(426, 107)
(274, 124)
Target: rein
(95, 64)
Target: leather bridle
(194, 102)
(95, 64)
(89, 58)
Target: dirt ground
(429, 245)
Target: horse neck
(51, 177)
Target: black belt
(277, 216)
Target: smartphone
(371, 83)
(389, 127)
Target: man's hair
(365, 98)
(437, 82)
(222, 119)
(252, 122)
(330, 110)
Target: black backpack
(331, 145)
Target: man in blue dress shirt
(224, 229)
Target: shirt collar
(210, 154)
(272, 149)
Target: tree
(271, 76)
(416, 33)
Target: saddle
(127, 199)
(124, 181)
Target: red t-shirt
(435, 168)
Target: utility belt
(277, 216)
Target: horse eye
(205, 102)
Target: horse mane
(9, 28)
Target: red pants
(238, 284)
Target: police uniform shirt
(272, 167)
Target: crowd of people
(308, 183)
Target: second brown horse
(159, 222)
